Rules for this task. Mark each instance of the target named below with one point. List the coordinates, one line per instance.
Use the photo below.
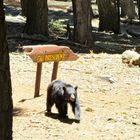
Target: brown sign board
(46, 53)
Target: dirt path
(109, 94)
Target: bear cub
(60, 94)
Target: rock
(131, 57)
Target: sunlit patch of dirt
(107, 89)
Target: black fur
(60, 94)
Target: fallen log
(133, 33)
(28, 37)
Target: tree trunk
(6, 106)
(138, 4)
(37, 17)
(82, 22)
(128, 9)
(24, 6)
(108, 15)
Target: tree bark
(128, 9)
(82, 22)
(37, 17)
(6, 105)
(108, 15)
(138, 4)
(24, 6)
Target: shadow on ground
(61, 119)
(17, 111)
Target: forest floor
(108, 91)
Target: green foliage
(56, 27)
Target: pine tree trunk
(37, 17)
(6, 106)
(82, 22)
(24, 6)
(128, 9)
(138, 4)
(108, 15)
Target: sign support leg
(38, 79)
(55, 69)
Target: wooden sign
(47, 53)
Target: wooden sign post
(48, 53)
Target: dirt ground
(109, 94)
(108, 91)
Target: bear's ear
(76, 88)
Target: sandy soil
(109, 94)
(108, 91)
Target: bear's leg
(76, 109)
(65, 109)
(50, 99)
(50, 103)
(62, 109)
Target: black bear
(60, 94)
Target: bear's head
(70, 93)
